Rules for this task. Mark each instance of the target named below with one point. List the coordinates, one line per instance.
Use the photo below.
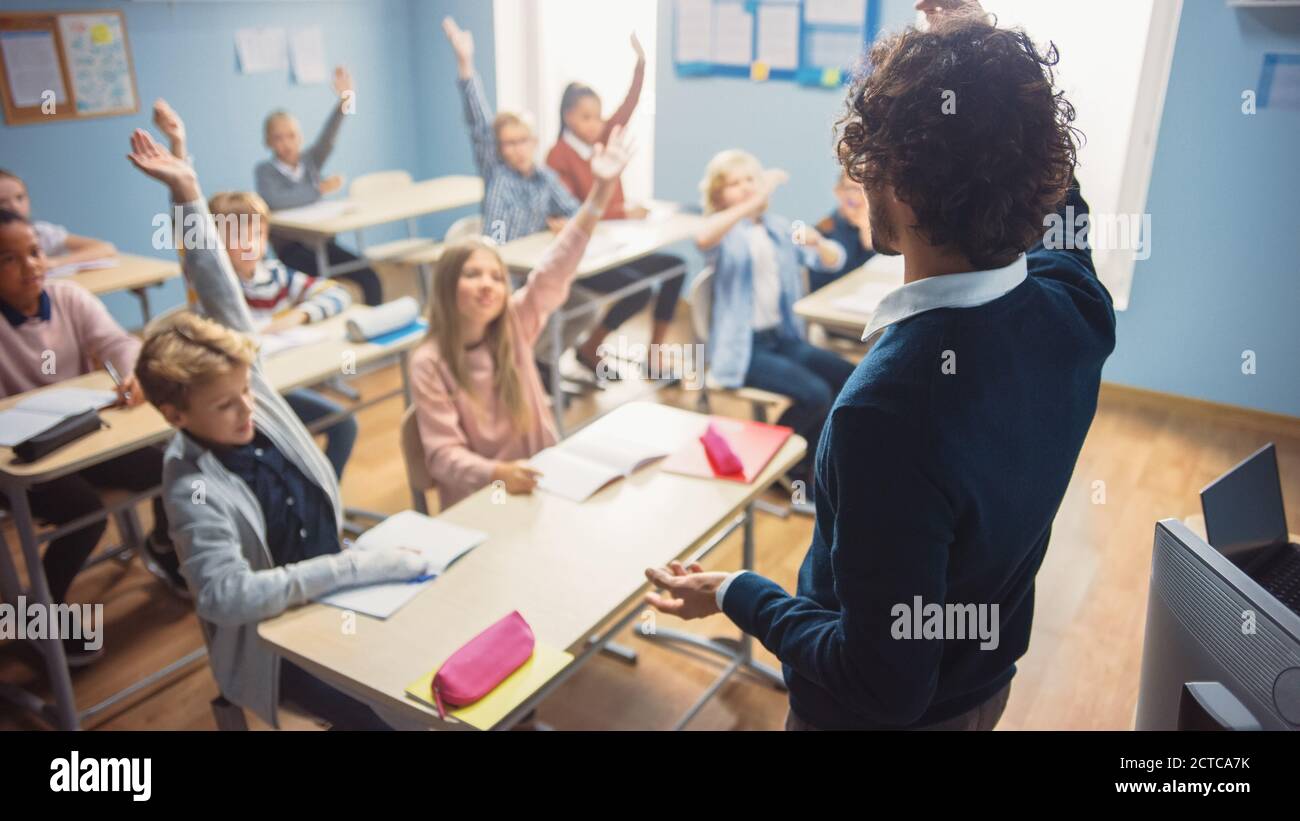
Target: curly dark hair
(980, 179)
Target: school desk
(819, 308)
(130, 429)
(357, 214)
(132, 273)
(614, 243)
(575, 571)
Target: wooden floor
(1152, 454)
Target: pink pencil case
(483, 662)
(722, 458)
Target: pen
(117, 379)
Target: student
(278, 299)
(849, 225)
(52, 331)
(60, 247)
(581, 128)
(754, 338)
(521, 197)
(477, 394)
(949, 451)
(253, 503)
(293, 178)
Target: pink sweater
(464, 438)
(79, 336)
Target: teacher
(949, 450)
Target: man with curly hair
(949, 450)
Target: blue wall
(77, 171)
(1224, 272)
(1223, 275)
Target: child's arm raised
(207, 266)
(717, 224)
(172, 127)
(624, 111)
(478, 114)
(548, 284)
(324, 145)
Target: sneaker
(161, 560)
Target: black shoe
(605, 370)
(161, 560)
(78, 656)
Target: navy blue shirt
(299, 517)
(838, 228)
(940, 484)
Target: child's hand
(636, 46)
(773, 178)
(292, 319)
(609, 160)
(518, 477)
(556, 224)
(148, 156)
(331, 184)
(462, 42)
(342, 81)
(936, 10)
(168, 121)
(808, 237)
(129, 393)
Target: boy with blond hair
(253, 503)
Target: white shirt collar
(583, 150)
(293, 172)
(948, 291)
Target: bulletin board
(65, 66)
(811, 42)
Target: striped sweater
(274, 289)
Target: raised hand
(636, 46)
(342, 81)
(168, 122)
(609, 160)
(148, 156)
(462, 42)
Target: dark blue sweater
(942, 486)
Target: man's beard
(883, 232)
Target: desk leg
(142, 294)
(738, 653)
(322, 259)
(63, 712)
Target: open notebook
(442, 542)
(585, 464)
(46, 409)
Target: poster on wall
(98, 63)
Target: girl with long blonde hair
(479, 401)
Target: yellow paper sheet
(509, 694)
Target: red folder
(753, 443)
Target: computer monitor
(1219, 650)
(1243, 508)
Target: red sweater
(575, 172)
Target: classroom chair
(700, 298)
(418, 479)
(464, 228)
(761, 403)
